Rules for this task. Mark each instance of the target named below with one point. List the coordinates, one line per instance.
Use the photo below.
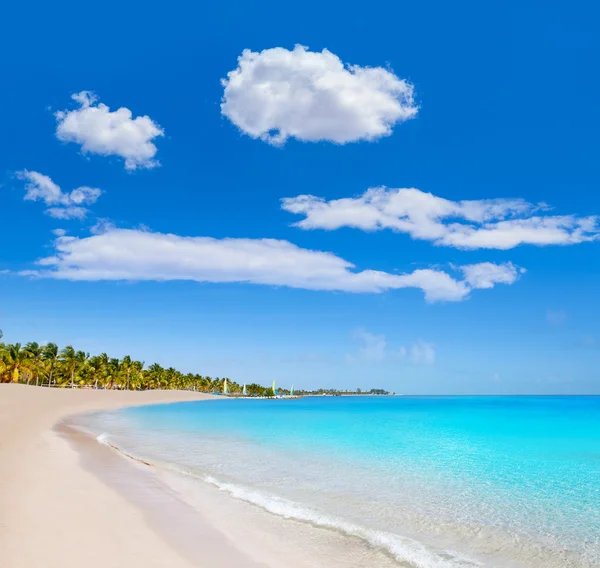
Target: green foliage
(46, 365)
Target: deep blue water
(503, 481)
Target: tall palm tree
(138, 373)
(127, 367)
(16, 361)
(70, 360)
(113, 368)
(50, 356)
(103, 369)
(35, 351)
(82, 360)
(155, 373)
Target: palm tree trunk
(72, 379)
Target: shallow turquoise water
(437, 481)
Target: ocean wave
(403, 549)
(103, 439)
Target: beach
(68, 501)
(55, 513)
(122, 479)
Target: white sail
(244, 390)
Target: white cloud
(488, 274)
(102, 225)
(372, 347)
(61, 205)
(67, 212)
(39, 187)
(117, 133)
(422, 353)
(125, 254)
(84, 194)
(279, 94)
(486, 223)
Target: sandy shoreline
(55, 513)
(68, 501)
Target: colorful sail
(274, 389)
(292, 391)
(244, 390)
(225, 387)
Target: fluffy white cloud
(125, 254)
(278, 94)
(486, 223)
(488, 274)
(61, 205)
(100, 131)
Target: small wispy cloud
(422, 353)
(60, 204)
(373, 347)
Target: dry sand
(55, 513)
(67, 501)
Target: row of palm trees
(48, 365)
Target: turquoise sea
(437, 482)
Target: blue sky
(168, 262)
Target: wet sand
(68, 501)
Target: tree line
(47, 365)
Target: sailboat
(274, 389)
(292, 391)
(244, 390)
(225, 387)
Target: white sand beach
(54, 513)
(67, 501)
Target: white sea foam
(103, 439)
(417, 508)
(406, 551)
(403, 549)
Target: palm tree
(155, 373)
(50, 356)
(127, 367)
(112, 372)
(103, 369)
(70, 361)
(82, 360)
(35, 352)
(16, 360)
(69, 366)
(138, 373)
